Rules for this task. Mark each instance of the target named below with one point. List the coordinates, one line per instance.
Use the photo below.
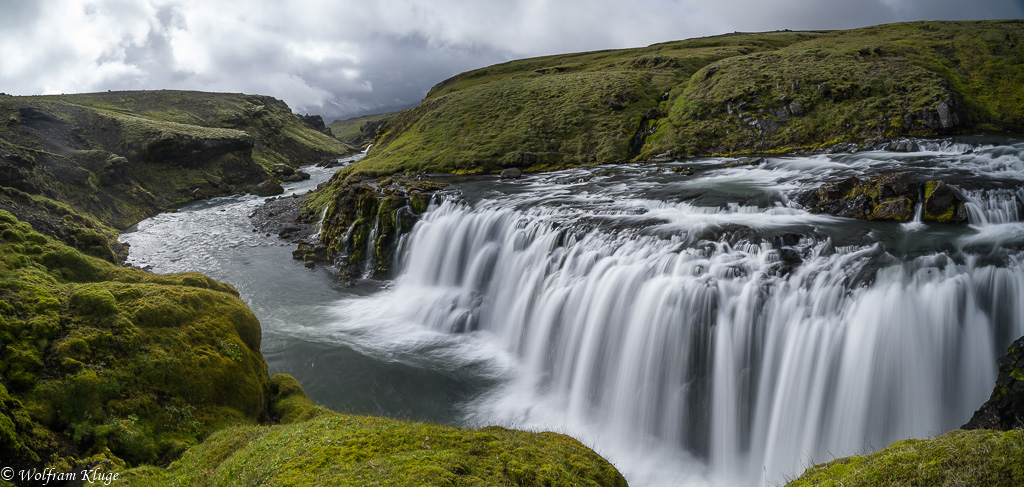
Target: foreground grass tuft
(957, 458)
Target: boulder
(941, 204)
(283, 170)
(907, 145)
(511, 173)
(895, 209)
(886, 197)
(900, 184)
(270, 187)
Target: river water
(696, 329)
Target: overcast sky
(345, 58)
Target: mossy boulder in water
(890, 197)
(364, 221)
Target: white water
(696, 330)
(693, 361)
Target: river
(688, 320)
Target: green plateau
(736, 93)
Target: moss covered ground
(315, 446)
(957, 458)
(735, 93)
(359, 131)
(100, 360)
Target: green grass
(957, 458)
(351, 130)
(584, 108)
(315, 446)
(111, 361)
(108, 160)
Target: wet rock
(895, 209)
(941, 204)
(511, 173)
(746, 161)
(900, 184)
(665, 157)
(269, 187)
(1004, 409)
(685, 171)
(886, 197)
(907, 145)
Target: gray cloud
(346, 58)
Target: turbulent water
(696, 329)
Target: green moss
(738, 93)
(979, 457)
(136, 364)
(354, 450)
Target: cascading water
(735, 343)
(696, 329)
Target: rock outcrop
(892, 197)
(363, 223)
(1004, 410)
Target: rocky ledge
(892, 197)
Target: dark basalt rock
(269, 187)
(1004, 409)
(511, 173)
(886, 197)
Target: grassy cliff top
(757, 92)
(957, 458)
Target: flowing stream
(696, 329)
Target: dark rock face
(1004, 409)
(887, 197)
(363, 224)
(316, 122)
(941, 204)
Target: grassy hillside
(108, 160)
(958, 458)
(359, 131)
(765, 92)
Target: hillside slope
(69, 162)
(765, 92)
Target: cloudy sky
(345, 58)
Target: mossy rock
(957, 458)
(101, 358)
(357, 450)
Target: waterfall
(702, 328)
(719, 349)
(320, 224)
